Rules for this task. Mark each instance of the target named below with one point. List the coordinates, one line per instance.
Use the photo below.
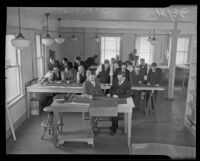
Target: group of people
(121, 76)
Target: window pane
(38, 46)
(39, 67)
(144, 49)
(110, 47)
(182, 50)
(10, 51)
(12, 83)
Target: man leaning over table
(121, 88)
(154, 78)
(91, 87)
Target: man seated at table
(136, 79)
(69, 74)
(55, 75)
(143, 71)
(81, 75)
(91, 87)
(77, 63)
(53, 63)
(154, 78)
(121, 88)
(124, 69)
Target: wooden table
(77, 107)
(54, 88)
(152, 89)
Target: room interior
(130, 24)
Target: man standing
(91, 61)
(154, 78)
(91, 87)
(121, 88)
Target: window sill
(15, 101)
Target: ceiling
(189, 13)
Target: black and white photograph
(101, 81)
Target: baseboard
(16, 125)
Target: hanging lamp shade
(96, 37)
(20, 41)
(47, 40)
(59, 39)
(154, 41)
(74, 38)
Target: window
(144, 49)
(13, 73)
(110, 47)
(182, 51)
(39, 57)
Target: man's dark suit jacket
(154, 77)
(119, 70)
(51, 66)
(123, 90)
(89, 89)
(89, 62)
(75, 65)
(134, 78)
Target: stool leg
(45, 129)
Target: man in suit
(55, 75)
(121, 88)
(154, 78)
(136, 79)
(77, 63)
(53, 63)
(124, 69)
(103, 72)
(91, 61)
(118, 60)
(91, 87)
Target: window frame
(138, 50)
(18, 65)
(41, 57)
(189, 46)
(110, 35)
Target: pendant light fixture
(154, 40)
(149, 38)
(47, 40)
(59, 39)
(20, 41)
(96, 37)
(73, 38)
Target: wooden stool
(48, 124)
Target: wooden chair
(48, 124)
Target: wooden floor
(169, 129)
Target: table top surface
(148, 87)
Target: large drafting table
(151, 97)
(59, 108)
(54, 88)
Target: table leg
(55, 134)
(125, 123)
(61, 121)
(28, 103)
(183, 78)
(129, 128)
(83, 115)
(154, 103)
(148, 106)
